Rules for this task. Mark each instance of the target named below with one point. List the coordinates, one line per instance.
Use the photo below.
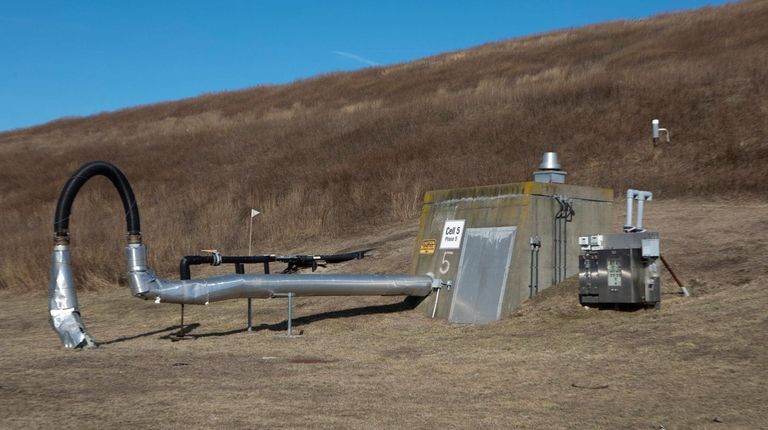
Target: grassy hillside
(343, 153)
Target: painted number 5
(445, 265)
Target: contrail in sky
(356, 58)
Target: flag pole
(250, 233)
(253, 214)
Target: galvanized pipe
(217, 288)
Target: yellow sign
(428, 246)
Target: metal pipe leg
(290, 314)
(250, 315)
(240, 270)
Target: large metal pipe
(64, 312)
(144, 283)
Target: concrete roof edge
(521, 188)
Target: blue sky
(60, 58)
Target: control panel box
(620, 269)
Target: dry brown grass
(338, 154)
(363, 362)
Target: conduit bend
(63, 309)
(64, 312)
(78, 179)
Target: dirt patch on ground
(699, 362)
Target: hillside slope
(340, 154)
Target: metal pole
(181, 324)
(250, 305)
(250, 233)
(250, 241)
(671, 272)
(250, 315)
(434, 309)
(240, 270)
(290, 313)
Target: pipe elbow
(144, 284)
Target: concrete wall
(531, 208)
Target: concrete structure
(487, 241)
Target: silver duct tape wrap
(140, 278)
(65, 315)
(63, 311)
(217, 288)
(144, 283)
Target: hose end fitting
(63, 309)
(138, 270)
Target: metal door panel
(482, 274)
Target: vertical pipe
(555, 246)
(537, 270)
(530, 284)
(565, 243)
(630, 198)
(554, 251)
(640, 202)
(569, 212)
(556, 266)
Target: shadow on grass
(407, 304)
(187, 328)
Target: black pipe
(295, 262)
(78, 179)
(194, 260)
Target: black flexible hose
(78, 179)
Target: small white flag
(254, 212)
